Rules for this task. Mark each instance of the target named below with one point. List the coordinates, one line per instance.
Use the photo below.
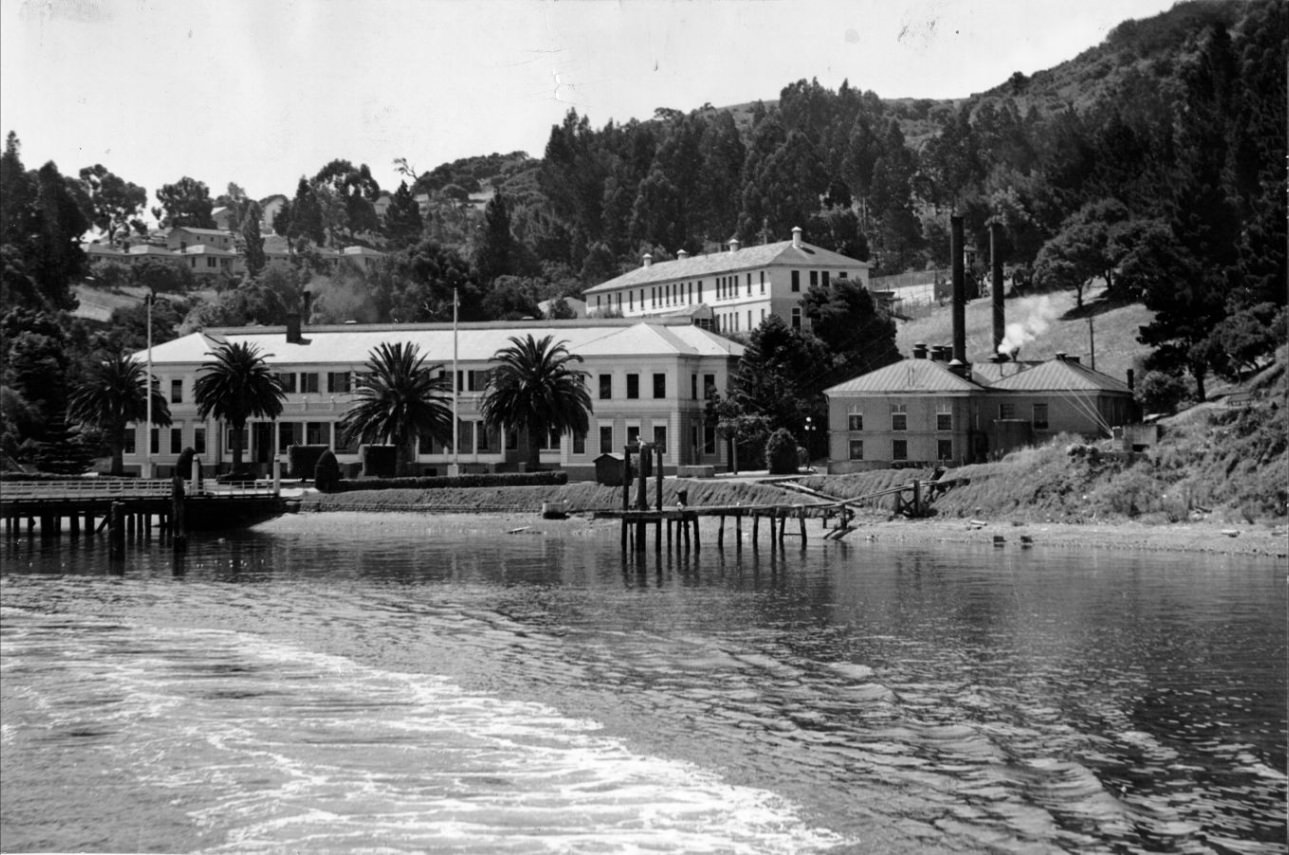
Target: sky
(260, 92)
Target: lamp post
(147, 428)
(810, 436)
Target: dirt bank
(469, 515)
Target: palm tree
(112, 395)
(235, 386)
(535, 390)
(398, 400)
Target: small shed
(608, 470)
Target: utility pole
(147, 428)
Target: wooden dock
(680, 522)
(128, 508)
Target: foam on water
(291, 749)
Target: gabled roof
(1061, 375)
(718, 263)
(196, 231)
(352, 343)
(907, 376)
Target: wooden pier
(128, 508)
(680, 522)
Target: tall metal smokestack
(996, 286)
(959, 289)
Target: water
(390, 683)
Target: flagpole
(456, 388)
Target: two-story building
(931, 410)
(732, 291)
(648, 380)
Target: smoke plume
(1038, 313)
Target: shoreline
(1260, 541)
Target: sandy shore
(1256, 540)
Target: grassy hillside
(1056, 324)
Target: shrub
(1161, 392)
(781, 453)
(303, 459)
(379, 461)
(326, 472)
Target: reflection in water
(278, 687)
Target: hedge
(439, 482)
(379, 461)
(302, 460)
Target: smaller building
(929, 410)
(180, 238)
(914, 412)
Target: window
(606, 387)
(287, 381)
(660, 437)
(1006, 411)
(154, 440)
(176, 440)
(749, 319)
(338, 382)
(1040, 417)
(827, 281)
(130, 442)
(899, 417)
(633, 434)
(900, 449)
(749, 284)
(693, 386)
(709, 385)
(814, 278)
(796, 280)
(700, 290)
(857, 449)
(944, 449)
(606, 439)
(176, 391)
(317, 433)
(709, 439)
(552, 440)
(943, 417)
(660, 385)
(633, 386)
(579, 443)
(309, 383)
(487, 437)
(286, 435)
(465, 435)
(762, 281)
(855, 421)
(199, 440)
(796, 318)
